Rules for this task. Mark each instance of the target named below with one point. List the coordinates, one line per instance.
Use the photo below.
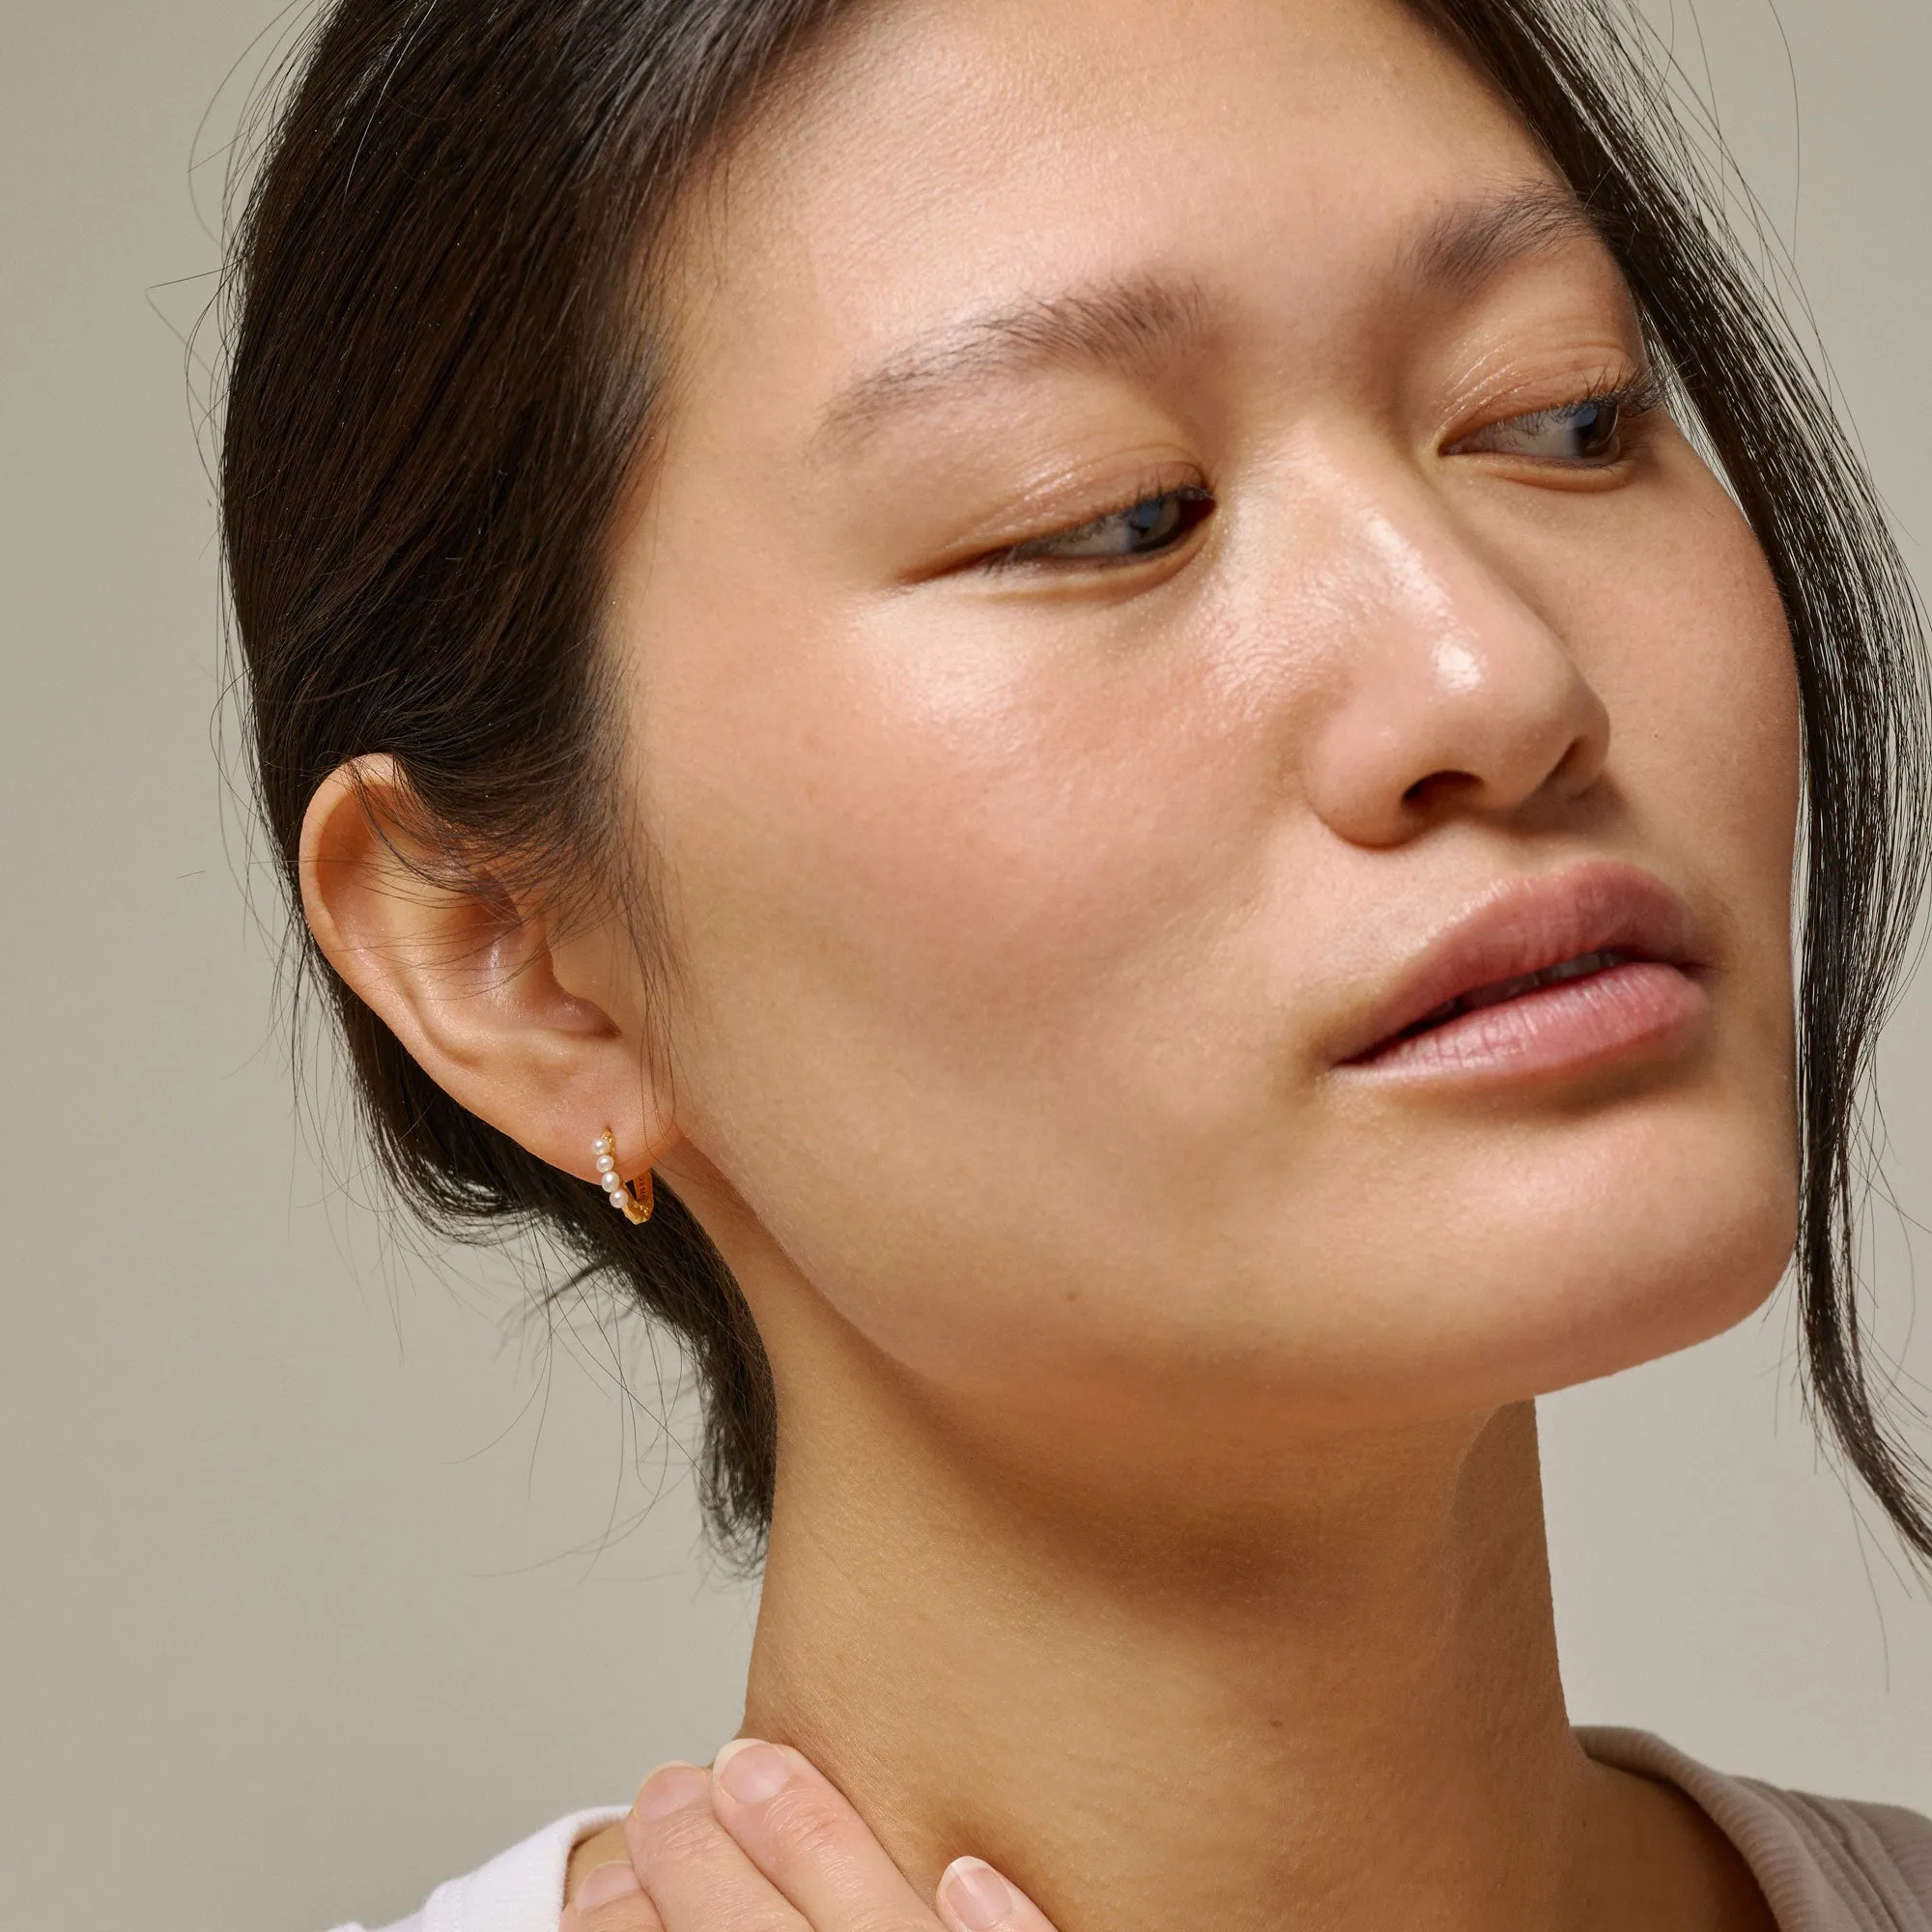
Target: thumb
(611, 1900)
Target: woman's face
(1142, 596)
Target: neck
(1342, 1711)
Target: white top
(1825, 1864)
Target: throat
(1359, 1726)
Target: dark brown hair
(445, 363)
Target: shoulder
(519, 1890)
(1827, 1864)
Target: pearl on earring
(634, 1200)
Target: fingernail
(750, 1770)
(975, 1894)
(673, 1787)
(604, 1882)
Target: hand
(761, 1842)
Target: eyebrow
(1125, 325)
(1462, 245)
(1131, 325)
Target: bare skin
(1158, 1515)
(1299, 1743)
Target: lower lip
(1644, 1008)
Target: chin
(1616, 1253)
(1466, 1267)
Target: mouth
(1497, 991)
(1555, 972)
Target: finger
(973, 1897)
(610, 1899)
(696, 1876)
(800, 1833)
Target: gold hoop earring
(636, 1198)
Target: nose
(1450, 695)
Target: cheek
(964, 931)
(1692, 651)
(1705, 697)
(949, 847)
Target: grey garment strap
(1880, 1856)
(1826, 1864)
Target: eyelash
(1194, 505)
(1629, 402)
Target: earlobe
(469, 980)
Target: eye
(1142, 528)
(1589, 432)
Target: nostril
(1438, 788)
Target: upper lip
(1527, 926)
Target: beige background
(323, 1574)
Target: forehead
(939, 159)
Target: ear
(541, 1037)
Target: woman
(1060, 689)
